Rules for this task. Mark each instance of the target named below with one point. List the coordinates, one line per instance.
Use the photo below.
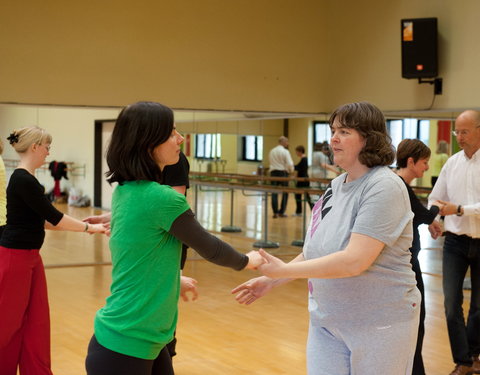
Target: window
(408, 128)
(252, 148)
(208, 146)
(321, 132)
(424, 131)
(395, 130)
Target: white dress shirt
(459, 183)
(280, 159)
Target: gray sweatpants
(362, 349)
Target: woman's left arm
(357, 257)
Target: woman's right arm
(189, 231)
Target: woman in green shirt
(149, 223)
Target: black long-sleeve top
(177, 174)
(189, 231)
(27, 210)
(422, 215)
(302, 171)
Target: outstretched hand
(253, 289)
(98, 228)
(98, 219)
(272, 266)
(254, 260)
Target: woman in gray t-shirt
(363, 300)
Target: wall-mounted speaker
(419, 48)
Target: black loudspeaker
(419, 48)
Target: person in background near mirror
(302, 171)
(458, 188)
(363, 300)
(412, 160)
(281, 165)
(149, 223)
(24, 311)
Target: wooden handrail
(252, 182)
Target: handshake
(448, 208)
(266, 263)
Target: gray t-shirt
(376, 205)
(318, 159)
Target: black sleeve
(33, 194)
(188, 230)
(51, 167)
(63, 168)
(177, 174)
(422, 215)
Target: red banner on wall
(444, 131)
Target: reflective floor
(215, 334)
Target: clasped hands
(266, 263)
(446, 208)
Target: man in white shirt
(281, 165)
(458, 188)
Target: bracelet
(459, 210)
(86, 227)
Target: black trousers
(418, 366)
(283, 205)
(102, 361)
(298, 197)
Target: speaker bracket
(436, 82)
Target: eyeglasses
(47, 147)
(456, 133)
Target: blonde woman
(24, 312)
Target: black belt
(464, 236)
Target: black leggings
(102, 361)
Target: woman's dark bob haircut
(139, 128)
(369, 121)
(411, 148)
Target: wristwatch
(459, 210)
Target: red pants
(24, 314)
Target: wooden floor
(215, 334)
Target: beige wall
(263, 55)
(282, 55)
(365, 54)
(210, 54)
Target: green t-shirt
(140, 315)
